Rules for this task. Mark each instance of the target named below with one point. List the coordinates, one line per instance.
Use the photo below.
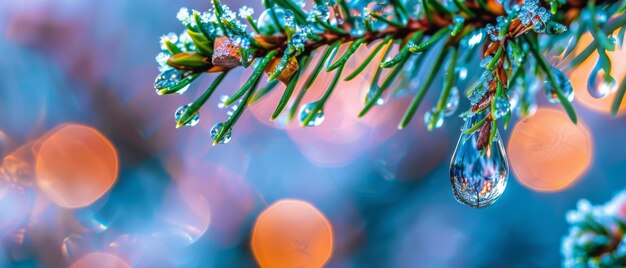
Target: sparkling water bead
(555, 28)
(317, 118)
(179, 113)
(433, 119)
(320, 12)
(171, 78)
(371, 94)
(600, 86)
(358, 26)
(216, 130)
(478, 179)
(453, 102)
(284, 17)
(502, 105)
(566, 86)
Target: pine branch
(286, 37)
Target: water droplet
(453, 102)
(492, 31)
(553, 27)
(600, 86)
(192, 122)
(508, 5)
(284, 17)
(458, 19)
(358, 26)
(216, 130)
(371, 94)
(321, 12)
(539, 26)
(502, 105)
(299, 39)
(433, 119)
(366, 7)
(172, 80)
(478, 179)
(317, 118)
(485, 61)
(223, 100)
(566, 86)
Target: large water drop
(478, 178)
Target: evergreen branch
(286, 36)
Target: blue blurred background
(386, 192)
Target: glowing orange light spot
(548, 152)
(100, 260)
(75, 166)
(581, 73)
(292, 233)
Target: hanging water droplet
(433, 119)
(599, 85)
(223, 100)
(453, 102)
(284, 17)
(508, 5)
(539, 26)
(502, 105)
(478, 179)
(320, 12)
(216, 130)
(317, 118)
(367, 7)
(564, 83)
(553, 27)
(371, 94)
(172, 80)
(179, 113)
(358, 26)
(485, 61)
(298, 40)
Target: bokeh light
(75, 166)
(548, 152)
(292, 233)
(580, 74)
(186, 216)
(100, 260)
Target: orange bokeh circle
(75, 166)
(548, 152)
(100, 260)
(292, 233)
